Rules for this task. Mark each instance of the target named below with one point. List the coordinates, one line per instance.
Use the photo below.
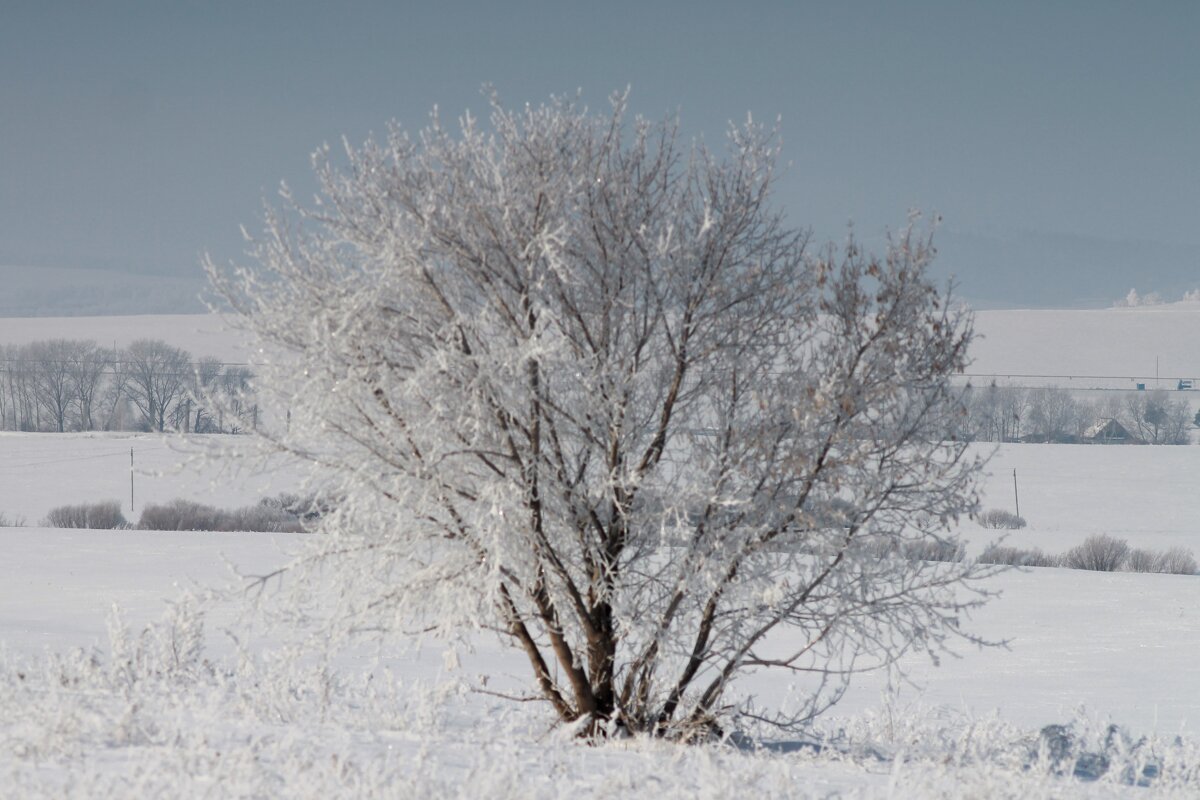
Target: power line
(34, 368)
(71, 459)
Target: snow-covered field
(1120, 342)
(170, 711)
(40, 471)
(199, 334)
(1110, 647)
(1130, 344)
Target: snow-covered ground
(1124, 645)
(168, 712)
(42, 470)
(1112, 647)
(1066, 492)
(1127, 343)
(1121, 646)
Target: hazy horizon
(1060, 142)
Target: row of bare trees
(77, 385)
(1050, 414)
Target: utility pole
(1016, 497)
(131, 482)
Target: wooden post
(1016, 497)
(131, 481)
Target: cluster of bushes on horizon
(291, 513)
(1050, 414)
(99, 516)
(999, 518)
(284, 513)
(76, 385)
(1099, 553)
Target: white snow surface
(245, 720)
(1084, 646)
(42, 470)
(1119, 342)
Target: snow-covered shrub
(1100, 552)
(306, 507)
(1176, 560)
(285, 514)
(944, 550)
(181, 515)
(1018, 557)
(999, 518)
(949, 550)
(264, 518)
(98, 516)
(1141, 559)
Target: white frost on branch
(582, 386)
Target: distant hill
(199, 334)
(1124, 343)
(1128, 343)
(61, 292)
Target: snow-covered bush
(180, 515)
(1142, 560)
(1100, 552)
(1176, 560)
(1018, 557)
(286, 514)
(98, 516)
(935, 550)
(999, 518)
(580, 383)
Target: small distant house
(1108, 431)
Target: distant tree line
(1049, 414)
(77, 385)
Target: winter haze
(1060, 142)
(598, 478)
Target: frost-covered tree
(579, 383)
(157, 376)
(1055, 415)
(995, 413)
(1156, 419)
(53, 378)
(88, 367)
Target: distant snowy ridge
(61, 292)
(199, 334)
(1153, 302)
(1131, 342)
(1127, 342)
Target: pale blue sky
(1060, 140)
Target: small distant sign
(1184, 384)
(1141, 387)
